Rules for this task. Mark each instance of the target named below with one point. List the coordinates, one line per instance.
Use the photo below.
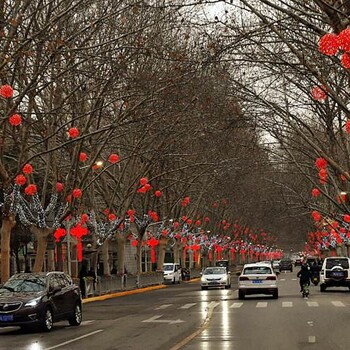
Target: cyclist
(304, 275)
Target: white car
(172, 273)
(257, 279)
(335, 272)
(214, 277)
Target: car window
(66, 281)
(257, 270)
(215, 271)
(330, 263)
(168, 267)
(25, 285)
(55, 281)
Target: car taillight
(242, 278)
(271, 278)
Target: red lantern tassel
(153, 255)
(210, 255)
(233, 254)
(80, 250)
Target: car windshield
(214, 271)
(257, 270)
(25, 285)
(344, 263)
(168, 267)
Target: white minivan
(172, 272)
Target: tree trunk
(105, 257)
(50, 260)
(139, 257)
(41, 235)
(8, 222)
(176, 252)
(120, 253)
(161, 253)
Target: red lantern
(143, 181)
(84, 218)
(15, 120)
(60, 232)
(189, 222)
(134, 243)
(198, 223)
(345, 60)
(153, 243)
(206, 219)
(77, 193)
(113, 158)
(315, 192)
(20, 180)
(69, 198)
(322, 173)
(329, 44)
(147, 187)
(30, 190)
(27, 169)
(142, 190)
(82, 157)
(164, 232)
(321, 163)
(344, 39)
(347, 126)
(347, 218)
(316, 215)
(175, 225)
(158, 193)
(106, 211)
(6, 91)
(130, 212)
(59, 187)
(111, 217)
(318, 93)
(73, 133)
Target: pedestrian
(305, 275)
(82, 274)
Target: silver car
(216, 277)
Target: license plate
(337, 274)
(6, 318)
(213, 282)
(257, 281)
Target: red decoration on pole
(20, 179)
(60, 232)
(82, 157)
(73, 133)
(113, 158)
(30, 190)
(27, 169)
(15, 120)
(218, 251)
(153, 243)
(78, 232)
(6, 91)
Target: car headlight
(203, 279)
(224, 278)
(33, 302)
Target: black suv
(286, 265)
(40, 299)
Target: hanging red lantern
(15, 120)
(30, 190)
(84, 218)
(82, 157)
(176, 225)
(134, 243)
(347, 218)
(113, 158)
(27, 169)
(153, 243)
(315, 192)
(321, 163)
(318, 93)
(78, 231)
(147, 187)
(77, 193)
(6, 91)
(206, 219)
(20, 179)
(112, 217)
(143, 181)
(69, 198)
(347, 126)
(344, 39)
(60, 232)
(106, 211)
(59, 187)
(142, 190)
(198, 223)
(165, 232)
(345, 60)
(130, 212)
(322, 173)
(158, 193)
(73, 133)
(316, 215)
(329, 44)
(189, 222)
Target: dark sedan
(40, 299)
(286, 265)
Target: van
(172, 272)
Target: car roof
(257, 264)
(336, 257)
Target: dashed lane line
(187, 306)
(261, 305)
(312, 304)
(236, 305)
(162, 307)
(287, 304)
(338, 304)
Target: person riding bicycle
(304, 274)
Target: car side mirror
(55, 290)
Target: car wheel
(322, 288)
(275, 294)
(240, 295)
(76, 318)
(47, 320)
(204, 288)
(173, 282)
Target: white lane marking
(187, 306)
(338, 304)
(312, 339)
(212, 305)
(261, 304)
(85, 323)
(294, 279)
(282, 279)
(310, 323)
(287, 304)
(162, 307)
(74, 340)
(312, 303)
(154, 319)
(236, 305)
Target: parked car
(214, 277)
(257, 279)
(185, 274)
(286, 265)
(335, 272)
(172, 273)
(276, 264)
(40, 299)
(297, 261)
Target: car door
(58, 300)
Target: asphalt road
(185, 317)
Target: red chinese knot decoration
(78, 231)
(60, 232)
